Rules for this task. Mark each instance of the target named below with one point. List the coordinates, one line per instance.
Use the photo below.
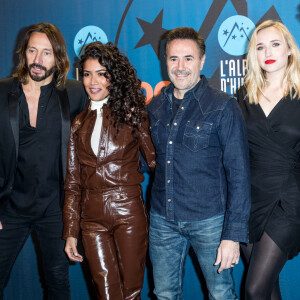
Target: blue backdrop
(135, 26)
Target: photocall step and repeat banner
(136, 26)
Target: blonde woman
(271, 107)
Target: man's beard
(39, 78)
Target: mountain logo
(234, 35)
(86, 35)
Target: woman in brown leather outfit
(103, 194)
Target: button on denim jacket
(202, 159)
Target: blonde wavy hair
(255, 79)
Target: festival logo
(88, 35)
(234, 34)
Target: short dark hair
(185, 33)
(58, 44)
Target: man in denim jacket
(201, 189)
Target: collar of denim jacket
(196, 91)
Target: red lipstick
(269, 61)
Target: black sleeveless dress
(274, 143)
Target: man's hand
(71, 250)
(1, 227)
(228, 255)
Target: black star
(80, 41)
(152, 33)
(242, 35)
(234, 37)
(225, 32)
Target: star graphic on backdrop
(152, 33)
(234, 37)
(80, 41)
(225, 32)
(242, 35)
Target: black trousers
(13, 236)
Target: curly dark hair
(126, 97)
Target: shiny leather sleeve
(145, 144)
(71, 208)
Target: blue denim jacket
(202, 159)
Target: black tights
(265, 261)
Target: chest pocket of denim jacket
(196, 135)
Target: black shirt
(175, 105)
(38, 180)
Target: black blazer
(72, 100)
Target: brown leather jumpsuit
(103, 198)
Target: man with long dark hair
(36, 107)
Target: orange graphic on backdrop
(149, 90)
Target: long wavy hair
(126, 98)
(62, 63)
(255, 79)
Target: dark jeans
(13, 236)
(168, 248)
